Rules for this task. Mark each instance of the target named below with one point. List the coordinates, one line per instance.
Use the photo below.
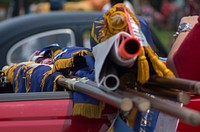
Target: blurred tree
(4, 2)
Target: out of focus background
(163, 16)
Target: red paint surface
(194, 104)
(46, 116)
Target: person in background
(184, 59)
(184, 56)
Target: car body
(48, 111)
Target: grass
(165, 36)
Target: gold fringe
(131, 117)
(28, 78)
(111, 129)
(9, 72)
(46, 74)
(16, 80)
(55, 53)
(93, 35)
(109, 28)
(64, 63)
(159, 67)
(88, 110)
(54, 82)
(143, 67)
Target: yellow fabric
(54, 82)
(131, 117)
(16, 81)
(28, 79)
(64, 63)
(111, 129)
(143, 68)
(159, 67)
(88, 110)
(114, 22)
(9, 72)
(93, 35)
(55, 53)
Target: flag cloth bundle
(120, 19)
(39, 75)
(46, 54)
(116, 21)
(28, 76)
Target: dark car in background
(21, 36)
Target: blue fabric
(90, 61)
(85, 72)
(83, 98)
(121, 126)
(49, 82)
(80, 97)
(146, 31)
(146, 121)
(143, 25)
(96, 31)
(21, 80)
(37, 76)
(71, 50)
(15, 80)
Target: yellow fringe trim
(159, 67)
(54, 82)
(111, 129)
(28, 79)
(9, 72)
(46, 74)
(93, 35)
(109, 26)
(55, 53)
(16, 80)
(88, 110)
(143, 67)
(131, 117)
(64, 63)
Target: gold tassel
(143, 67)
(88, 110)
(9, 72)
(159, 67)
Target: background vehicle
(21, 36)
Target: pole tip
(126, 105)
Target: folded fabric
(85, 105)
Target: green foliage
(4, 2)
(165, 36)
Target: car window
(22, 50)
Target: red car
(49, 111)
